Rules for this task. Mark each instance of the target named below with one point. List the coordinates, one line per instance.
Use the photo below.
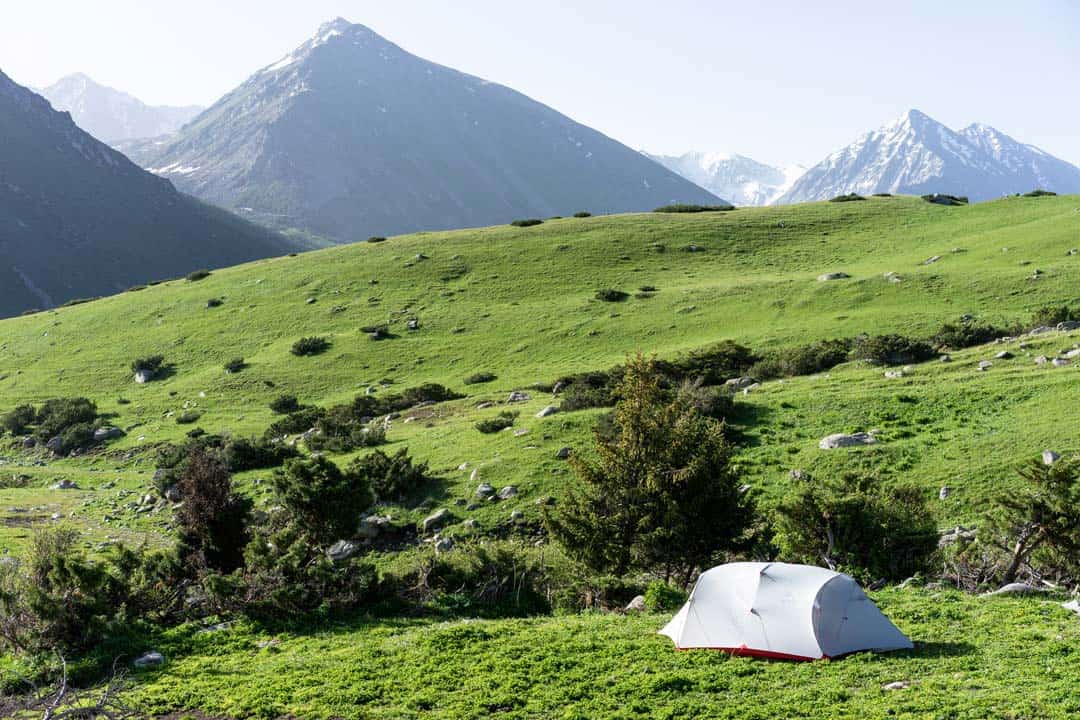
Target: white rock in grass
(1049, 457)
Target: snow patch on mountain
(740, 179)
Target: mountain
(78, 219)
(111, 115)
(350, 136)
(918, 155)
(738, 178)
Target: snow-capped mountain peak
(915, 154)
(742, 180)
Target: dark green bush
(943, 199)
(212, 519)
(849, 197)
(858, 526)
(284, 404)
(313, 345)
(582, 214)
(151, 364)
(891, 349)
(688, 208)
(197, 275)
(1040, 193)
(494, 578)
(713, 364)
(296, 422)
(662, 597)
(528, 222)
(609, 295)
(60, 414)
(338, 433)
(883, 195)
(240, 454)
(19, 420)
(501, 421)
(480, 377)
(391, 477)
(1054, 314)
(802, 360)
(235, 365)
(966, 334)
(214, 302)
(376, 239)
(325, 501)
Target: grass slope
(520, 303)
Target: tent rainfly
(784, 611)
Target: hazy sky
(778, 81)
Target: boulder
(825, 277)
(518, 396)
(436, 520)
(1015, 588)
(1042, 360)
(444, 545)
(944, 492)
(637, 604)
(143, 376)
(1059, 362)
(107, 433)
(946, 358)
(341, 550)
(471, 524)
(55, 444)
(463, 467)
(1049, 457)
(172, 494)
(517, 516)
(897, 685)
(474, 475)
(484, 490)
(957, 534)
(413, 324)
(1004, 355)
(562, 453)
(985, 365)
(508, 492)
(29, 442)
(740, 383)
(894, 374)
(931, 260)
(892, 277)
(66, 485)
(549, 410)
(1068, 326)
(1072, 606)
(149, 660)
(521, 432)
(372, 526)
(1074, 353)
(841, 440)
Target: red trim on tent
(744, 651)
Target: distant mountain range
(111, 115)
(79, 219)
(918, 155)
(350, 136)
(741, 180)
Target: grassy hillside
(520, 303)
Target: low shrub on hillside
(714, 364)
(338, 432)
(313, 345)
(1053, 314)
(690, 208)
(1040, 193)
(891, 349)
(610, 295)
(64, 424)
(588, 390)
(240, 454)
(151, 365)
(883, 195)
(849, 197)
(391, 477)
(197, 275)
(235, 365)
(943, 199)
(325, 500)
(296, 422)
(503, 420)
(212, 519)
(480, 377)
(214, 302)
(18, 420)
(528, 222)
(956, 336)
(284, 404)
(582, 214)
(802, 359)
(858, 526)
(710, 401)
(662, 597)
(376, 239)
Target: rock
(931, 260)
(898, 685)
(1059, 362)
(957, 534)
(1071, 354)
(894, 374)
(149, 660)
(444, 545)
(107, 433)
(521, 432)
(143, 376)
(1072, 606)
(66, 485)
(485, 405)
(1015, 588)
(840, 440)
(798, 475)
(29, 442)
(637, 604)
(517, 516)
(1042, 360)
(310, 301)
(892, 277)
(985, 365)
(508, 492)
(549, 410)
(1068, 326)
(484, 490)
(944, 492)
(740, 383)
(946, 358)
(563, 453)
(413, 324)
(436, 520)
(172, 494)
(55, 444)
(1049, 457)
(371, 526)
(471, 524)
(825, 277)
(518, 396)
(341, 550)
(463, 467)
(1004, 355)
(474, 475)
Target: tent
(778, 610)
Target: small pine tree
(212, 518)
(661, 495)
(322, 498)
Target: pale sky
(782, 81)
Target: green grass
(521, 304)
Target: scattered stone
(436, 520)
(985, 365)
(54, 444)
(549, 410)
(563, 453)
(471, 524)
(841, 440)
(372, 526)
(341, 550)
(944, 492)
(1015, 588)
(444, 545)
(825, 277)
(518, 396)
(1068, 326)
(740, 383)
(898, 685)
(1072, 606)
(894, 374)
(29, 442)
(1075, 352)
(149, 660)
(66, 485)
(1004, 355)
(1049, 457)
(413, 324)
(508, 492)
(485, 405)
(107, 433)
(484, 490)
(1042, 360)
(517, 516)
(521, 432)
(463, 467)
(474, 475)
(637, 604)
(310, 301)
(931, 260)
(946, 358)
(1059, 362)
(798, 475)
(143, 376)
(892, 277)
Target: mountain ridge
(740, 179)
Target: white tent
(778, 610)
